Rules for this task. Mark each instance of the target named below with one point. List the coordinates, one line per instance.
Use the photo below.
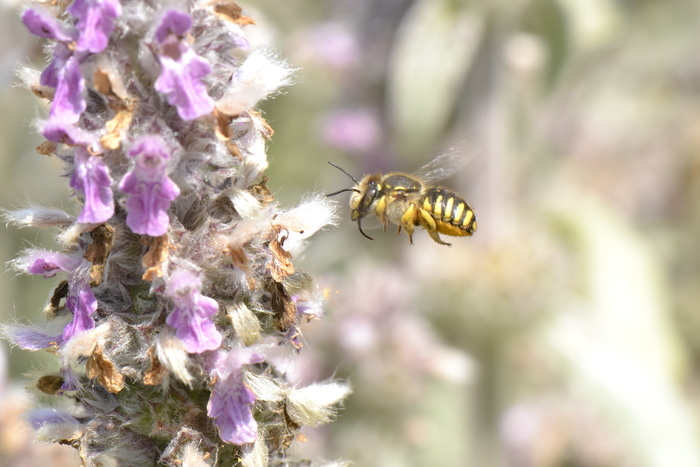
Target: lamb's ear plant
(177, 286)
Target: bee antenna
(344, 171)
(359, 226)
(343, 191)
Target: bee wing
(442, 166)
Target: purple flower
(71, 381)
(182, 69)
(63, 73)
(50, 75)
(91, 177)
(48, 263)
(309, 306)
(180, 81)
(150, 188)
(229, 404)
(95, 22)
(43, 25)
(334, 46)
(82, 302)
(146, 101)
(30, 337)
(39, 417)
(68, 102)
(66, 133)
(352, 130)
(80, 299)
(174, 23)
(191, 312)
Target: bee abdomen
(448, 207)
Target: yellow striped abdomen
(452, 215)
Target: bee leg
(434, 235)
(380, 211)
(426, 220)
(408, 222)
(428, 223)
(409, 231)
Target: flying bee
(412, 200)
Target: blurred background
(565, 332)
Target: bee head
(364, 193)
(361, 200)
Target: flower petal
(91, 177)
(49, 77)
(66, 133)
(234, 418)
(174, 23)
(44, 25)
(39, 417)
(150, 188)
(47, 263)
(82, 302)
(231, 399)
(181, 81)
(68, 101)
(191, 311)
(182, 70)
(95, 22)
(29, 337)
